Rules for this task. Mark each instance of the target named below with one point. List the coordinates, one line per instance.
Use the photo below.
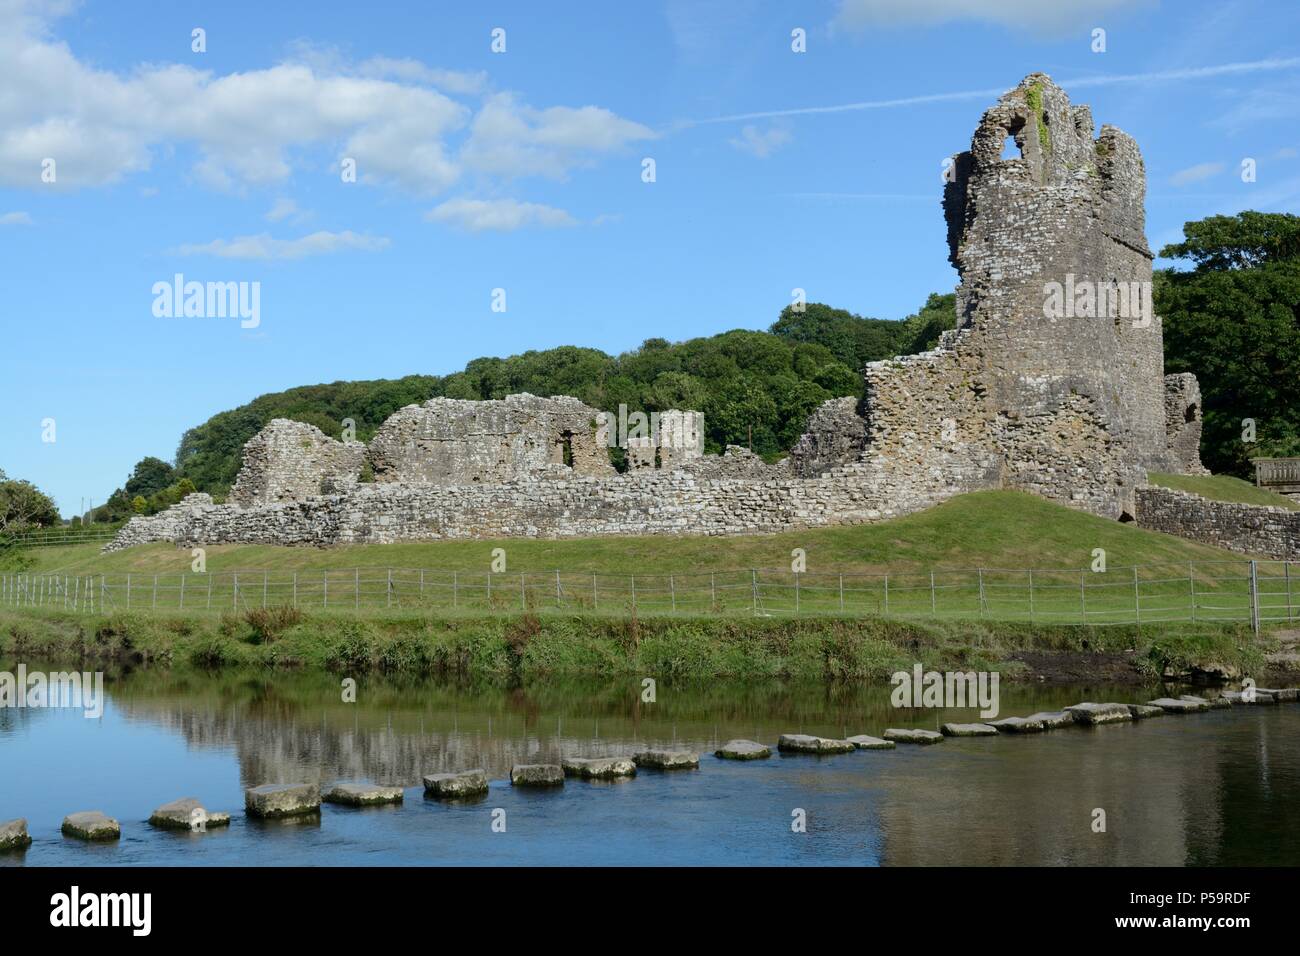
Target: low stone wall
(1249, 529)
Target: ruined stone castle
(1052, 382)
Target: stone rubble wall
(1248, 529)
(288, 461)
(835, 435)
(448, 441)
(678, 439)
(1183, 425)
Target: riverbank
(516, 646)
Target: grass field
(989, 529)
(1223, 488)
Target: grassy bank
(530, 645)
(990, 529)
(1224, 488)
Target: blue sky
(522, 170)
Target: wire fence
(48, 538)
(1257, 592)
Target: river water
(1220, 788)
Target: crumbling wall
(676, 438)
(448, 441)
(834, 435)
(1183, 425)
(289, 461)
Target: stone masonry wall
(288, 461)
(1249, 529)
(1183, 425)
(449, 441)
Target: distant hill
(751, 386)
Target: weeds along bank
(508, 647)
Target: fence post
(128, 590)
(672, 591)
(356, 588)
(264, 574)
(325, 589)
(489, 590)
(595, 598)
(753, 589)
(209, 607)
(295, 589)
(1031, 595)
(1083, 594)
(1254, 597)
(1137, 597)
(559, 601)
(932, 610)
(523, 593)
(841, 592)
(713, 591)
(984, 608)
(796, 593)
(234, 590)
(634, 594)
(388, 590)
(154, 602)
(182, 590)
(1191, 586)
(455, 589)
(1286, 567)
(886, 593)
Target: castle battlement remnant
(1052, 382)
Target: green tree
(24, 507)
(149, 475)
(1233, 319)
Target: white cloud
(761, 143)
(1194, 174)
(1037, 16)
(499, 215)
(510, 139)
(282, 209)
(397, 118)
(15, 219)
(265, 247)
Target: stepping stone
(1019, 725)
(272, 801)
(465, 783)
(667, 759)
(1052, 719)
(1237, 697)
(1214, 703)
(187, 814)
(1180, 706)
(362, 794)
(14, 835)
(968, 730)
(537, 775)
(598, 768)
(1093, 714)
(1280, 694)
(807, 744)
(742, 750)
(911, 736)
(864, 742)
(1143, 711)
(91, 825)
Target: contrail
(1190, 73)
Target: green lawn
(1223, 488)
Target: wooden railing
(1278, 474)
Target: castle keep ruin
(1053, 382)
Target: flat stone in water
(362, 794)
(537, 775)
(187, 813)
(913, 736)
(275, 800)
(1092, 714)
(1180, 706)
(1143, 711)
(91, 825)
(1280, 694)
(969, 730)
(1052, 719)
(14, 835)
(667, 759)
(1239, 697)
(866, 742)
(1019, 725)
(808, 744)
(1213, 703)
(742, 750)
(598, 768)
(464, 783)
